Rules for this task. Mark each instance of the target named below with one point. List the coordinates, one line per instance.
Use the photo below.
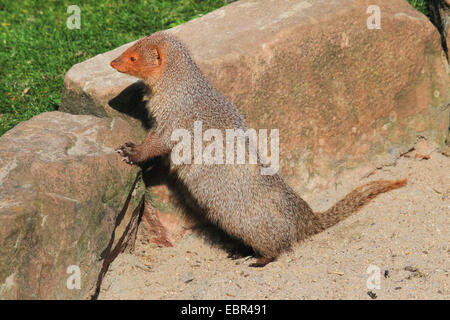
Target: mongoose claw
(127, 160)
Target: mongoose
(261, 210)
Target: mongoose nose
(112, 64)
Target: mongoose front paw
(129, 153)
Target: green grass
(37, 48)
(420, 5)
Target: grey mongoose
(260, 210)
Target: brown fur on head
(143, 60)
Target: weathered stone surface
(343, 96)
(169, 211)
(65, 199)
(88, 89)
(162, 228)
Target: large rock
(65, 199)
(342, 96)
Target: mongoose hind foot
(261, 262)
(240, 252)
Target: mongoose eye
(133, 59)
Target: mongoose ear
(156, 56)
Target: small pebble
(188, 277)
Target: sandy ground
(403, 234)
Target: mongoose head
(150, 57)
(143, 60)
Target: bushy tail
(355, 200)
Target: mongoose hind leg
(261, 262)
